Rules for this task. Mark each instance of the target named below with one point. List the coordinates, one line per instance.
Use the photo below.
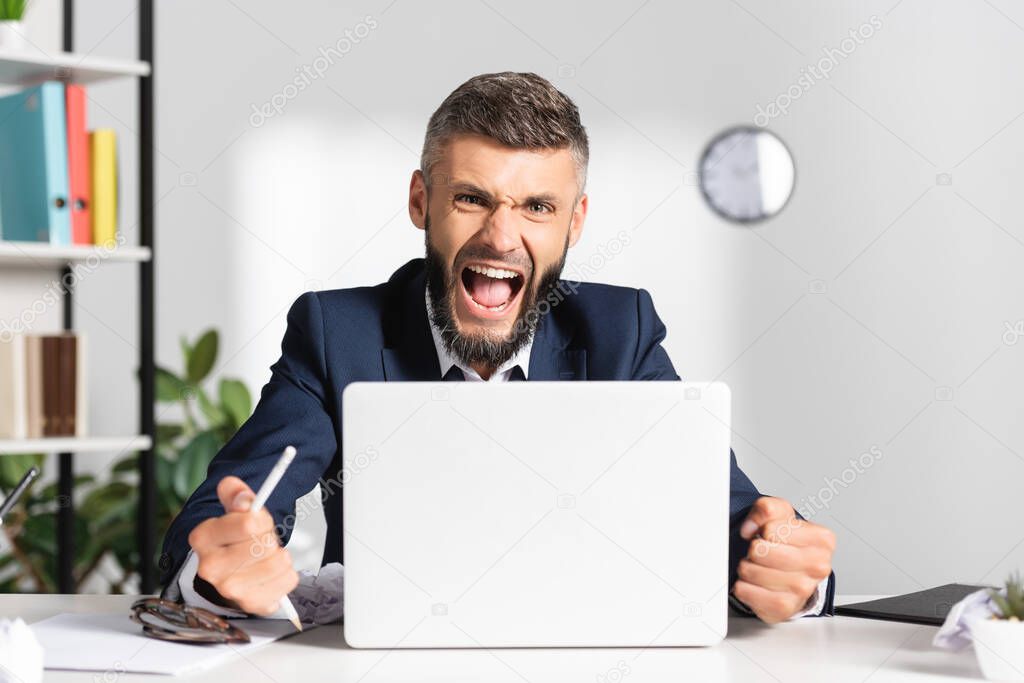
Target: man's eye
(539, 207)
(469, 199)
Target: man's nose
(500, 232)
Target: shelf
(29, 68)
(34, 254)
(74, 444)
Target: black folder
(928, 607)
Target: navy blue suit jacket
(381, 333)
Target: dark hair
(520, 110)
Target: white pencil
(261, 497)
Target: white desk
(836, 649)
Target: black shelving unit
(145, 523)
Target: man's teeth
(497, 273)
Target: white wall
(842, 325)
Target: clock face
(746, 174)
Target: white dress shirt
(186, 576)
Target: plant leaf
(128, 465)
(1002, 604)
(165, 483)
(40, 534)
(202, 358)
(169, 387)
(49, 492)
(208, 446)
(235, 400)
(190, 469)
(169, 431)
(102, 502)
(12, 10)
(214, 415)
(186, 349)
(13, 468)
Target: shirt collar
(447, 360)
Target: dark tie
(453, 375)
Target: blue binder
(34, 166)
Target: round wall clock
(746, 174)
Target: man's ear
(579, 214)
(418, 199)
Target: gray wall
(867, 318)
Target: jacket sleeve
(294, 408)
(651, 362)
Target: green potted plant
(12, 28)
(999, 638)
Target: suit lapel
(550, 360)
(409, 355)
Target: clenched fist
(239, 553)
(787, 559)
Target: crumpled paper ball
(319, 597)
(21, 655)
(955, 633)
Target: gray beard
(489, 350)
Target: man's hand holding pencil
(239, 553)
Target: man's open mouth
(489, 289)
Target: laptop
(535, 514)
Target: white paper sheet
(114, 643)
(21, 655)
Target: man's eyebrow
(462, 186)
(546, 197)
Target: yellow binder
(103, 159)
